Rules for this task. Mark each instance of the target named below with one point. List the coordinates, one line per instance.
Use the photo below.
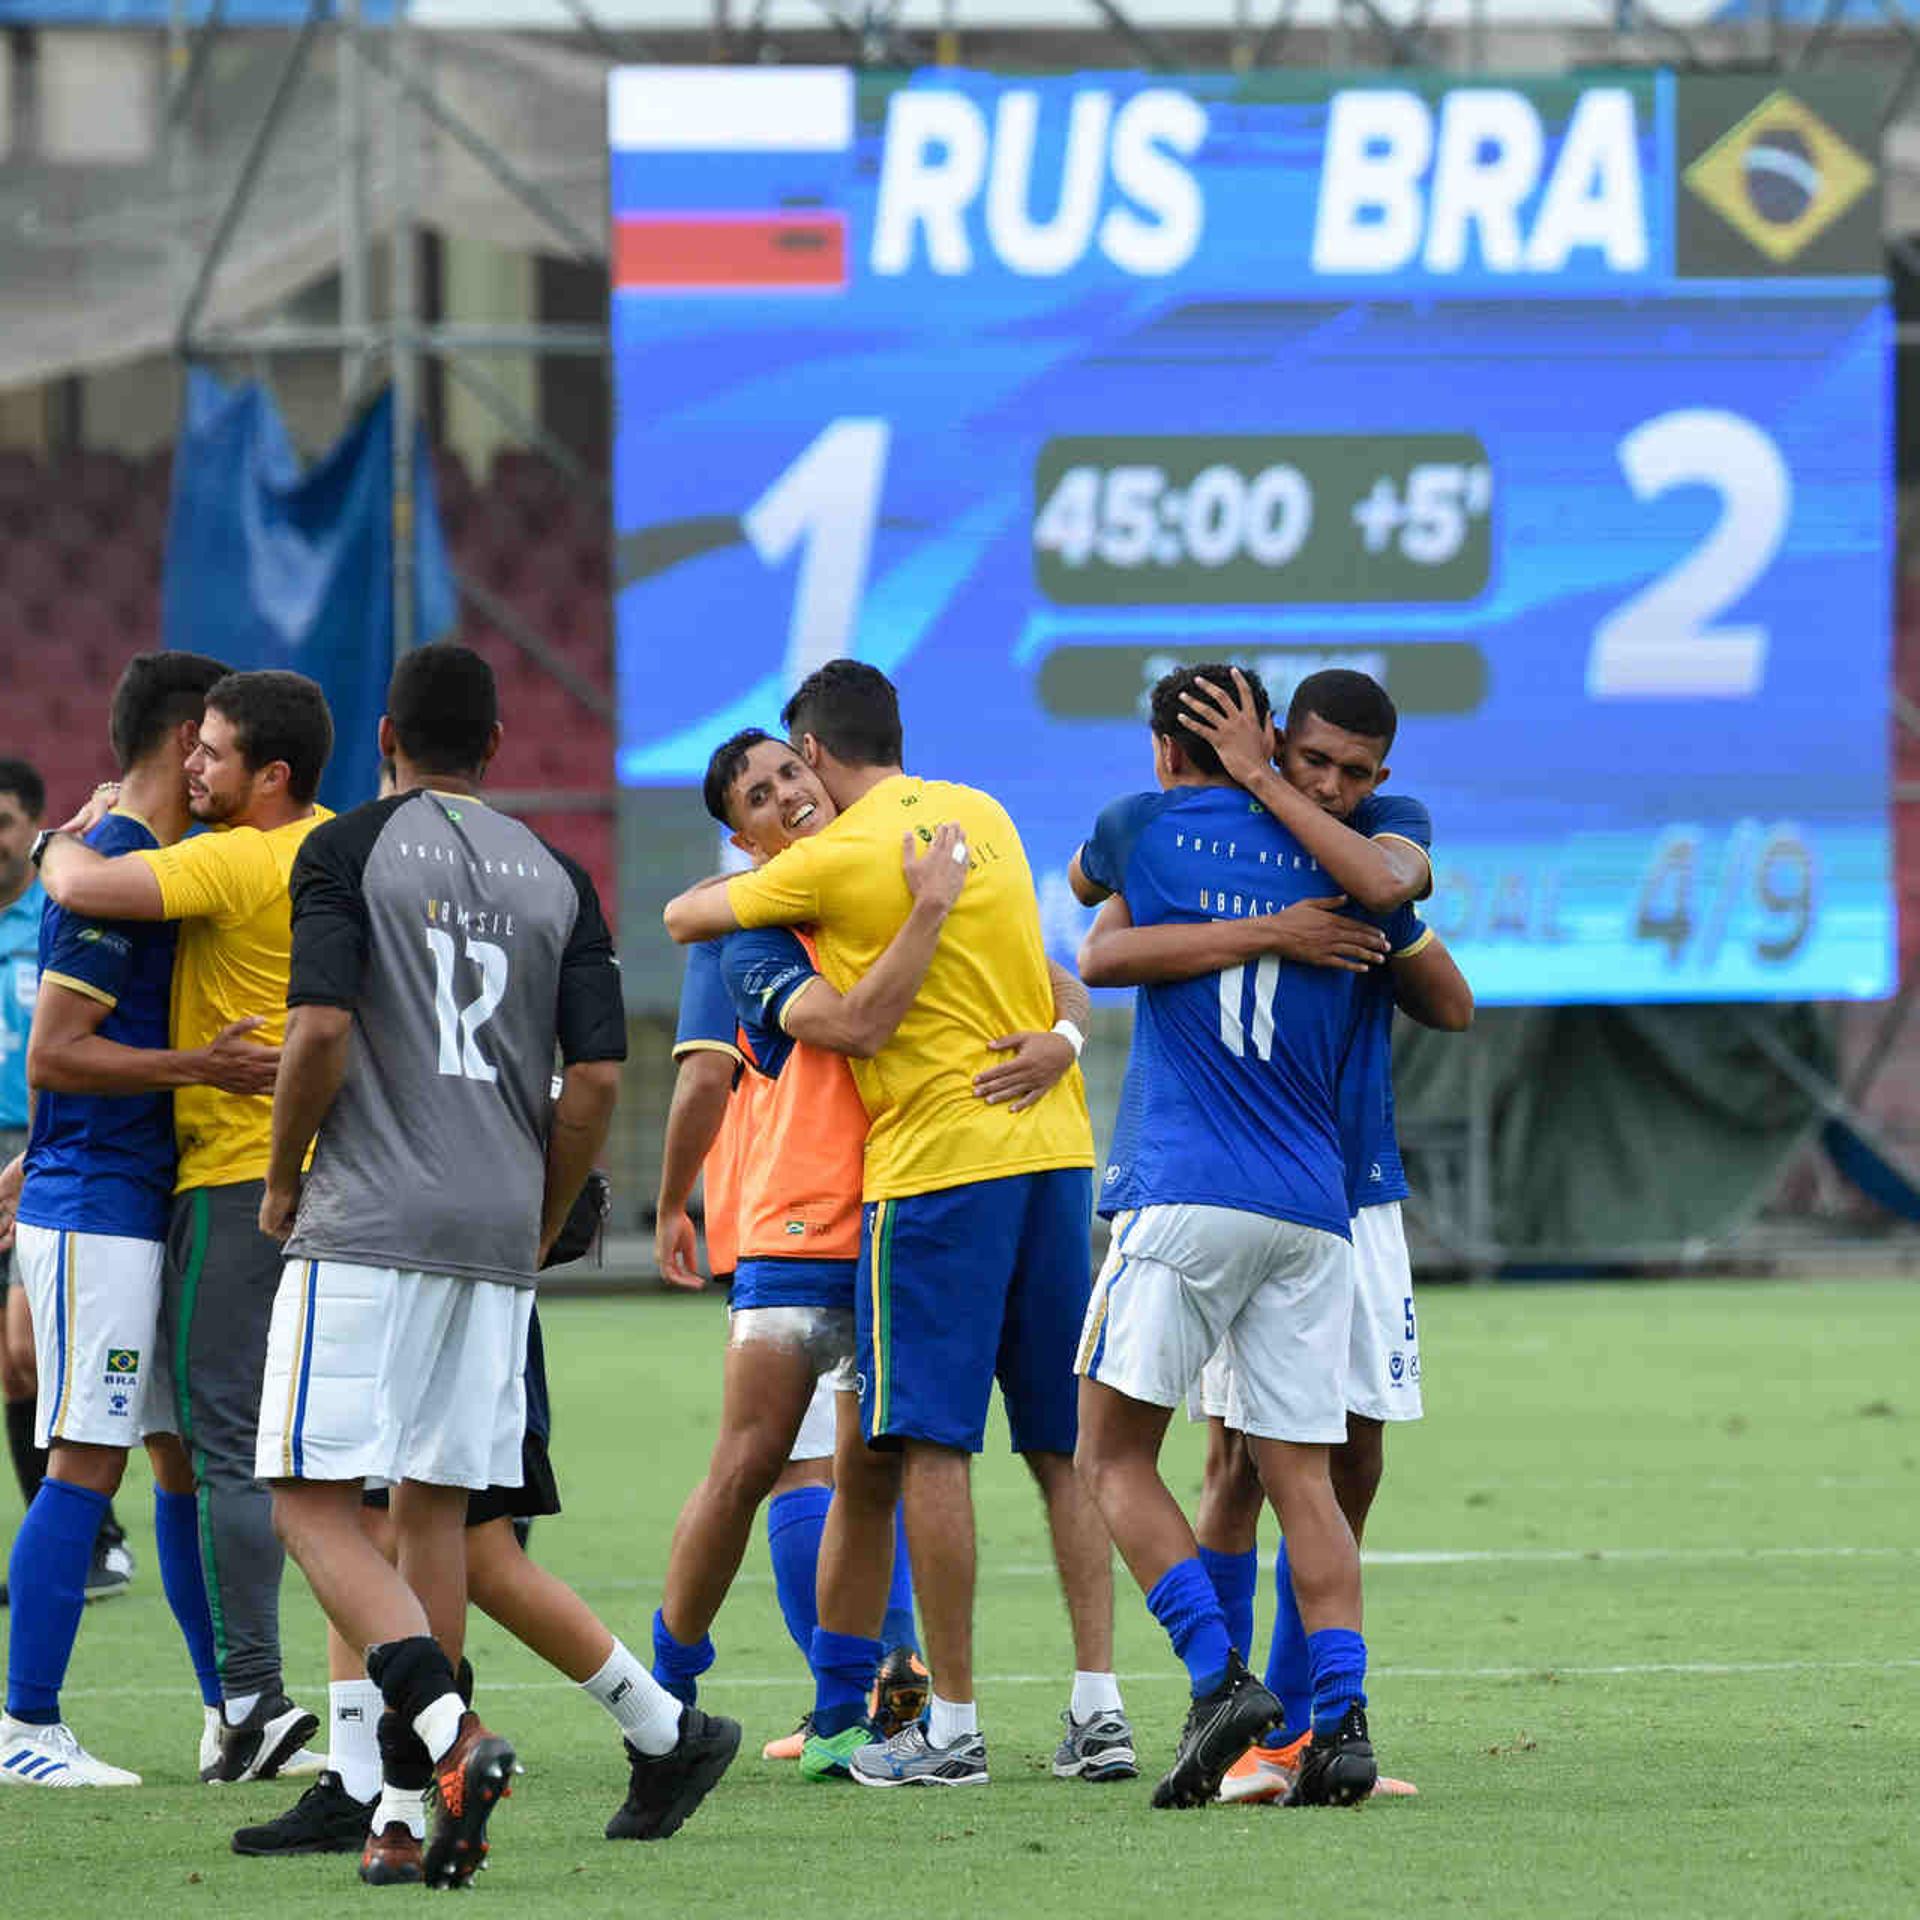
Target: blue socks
(678, 1667)
(1235, 1577)
(897, 1629)
(795, 1522)
(1183, 1602)
(176, 1528)
(1339, 1659)
(843, 1668)
(1289, 1670)
(48, 1576)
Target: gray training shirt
(468, 951)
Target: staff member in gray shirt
(442, 954)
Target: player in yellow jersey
(263, 745)
(974, 1259)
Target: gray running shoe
(910, 1759)
(1097, 1748)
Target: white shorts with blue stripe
(1180, 1282)
(95, 1300)
(378, 1374)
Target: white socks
(439, 1725)
(1094, 1693)
(410, 1809)
(647, 1713)
(950, 1720)
(353, 1744)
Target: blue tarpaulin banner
(270, 564)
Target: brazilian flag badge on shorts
(124, 1360)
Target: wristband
(1071, 1035)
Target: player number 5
(460, 1056)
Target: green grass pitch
(1642, 1607)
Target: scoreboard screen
(1562, 407)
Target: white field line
(795, 1682)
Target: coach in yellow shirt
(263, 745)
(974, 1257)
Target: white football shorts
(1383, 1353)
(1383, 1363)
(378, 1374)
(95, 1301)
(1179, 1282)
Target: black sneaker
(1221, 1726)
(1338, 1771)
(663, 1789)
(271, 1734)
(111, 1571)
(325, 1819)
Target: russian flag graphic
(730, 179)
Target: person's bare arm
(313, 1062)
(67, 1054)
(702, 1086)
(1378, 875)
(1429, 987)
(1312, 933)
(96, 886)
(1037, 1061)
(862, 1020)
(589, 1091)
(701, 912)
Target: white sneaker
(302, 1765)
(209, 1741)
(33, 1756)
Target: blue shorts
(966, 1285)
(793, 1283)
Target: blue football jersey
(1231, 1091)
(764, 967)
(103, 1163)
(706, 1007)
(1375, 1174)
(19, 984)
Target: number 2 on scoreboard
(1663, 644)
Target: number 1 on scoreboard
(825, 503)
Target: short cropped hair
(723, 769)
(277, 715)
(156, 693)
(852, 710)
(1169, 717)
(444, 706)
(1353, 702)
(23, 781)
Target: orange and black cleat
(469, 1780)
(392, 1857)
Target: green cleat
(825, 1756)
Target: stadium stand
(81, 542)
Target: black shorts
(537, 1494)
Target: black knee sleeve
(411, 1674)
(404, 1762)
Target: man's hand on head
(1236, 733)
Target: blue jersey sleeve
(1107, 850)
(1406, 932)
(96, 957)
(1398, 814)
(706, 1007)
(764, 969)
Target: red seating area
(81, 543)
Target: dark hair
(851, 709)
(444, 707)
(26, 786)
(1169, 717)
(156, 693)
(1353, 702)
(278, 716)
(723, 769)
